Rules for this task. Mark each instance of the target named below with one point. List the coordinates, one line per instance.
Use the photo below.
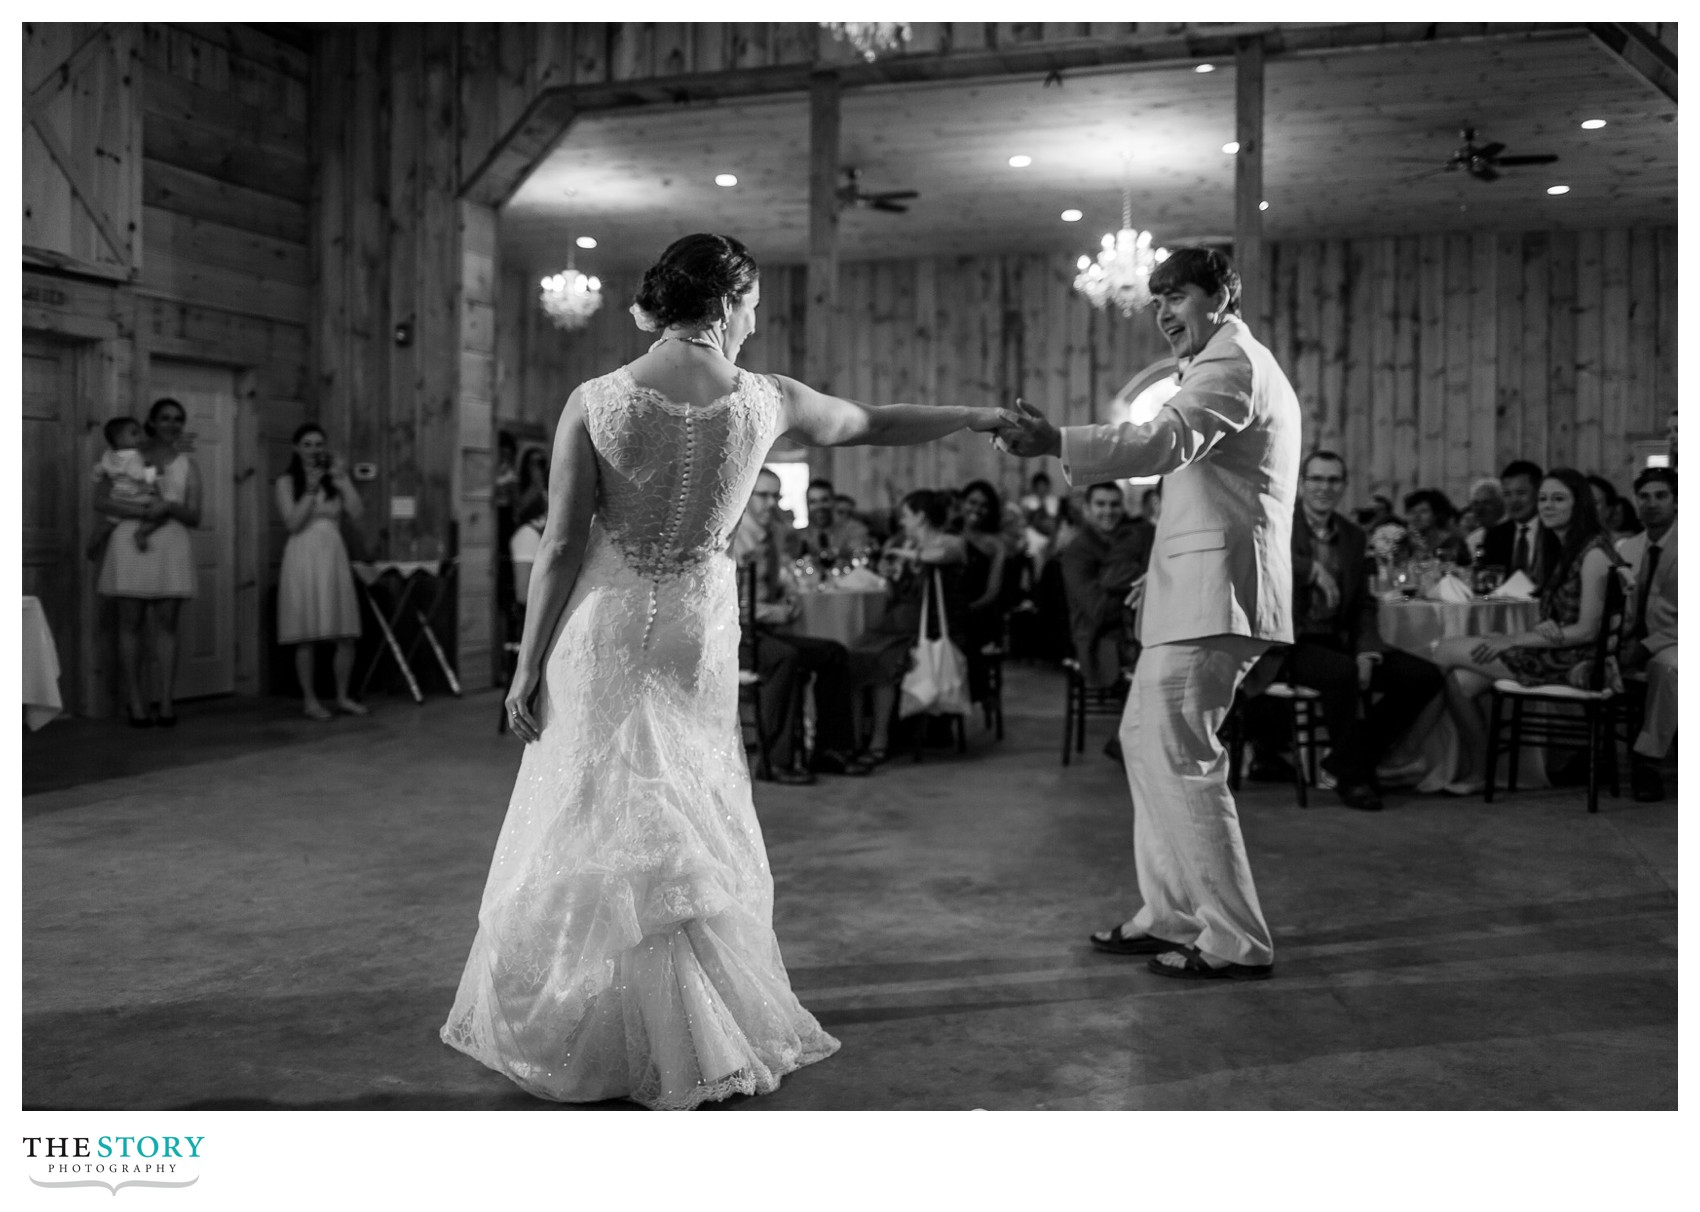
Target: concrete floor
(214, 924)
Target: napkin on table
(1518, 588)
(860, 580)
(1449, 588)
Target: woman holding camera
(315, 596)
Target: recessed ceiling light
(1263, 206)
(1558, 189)
(1071, 215)
(586, 241)
(1593, 124)
(1202, 68)
(726, 179)
(1020, 161)
(1230, 148)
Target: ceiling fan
(1484, 162)
(851, 193)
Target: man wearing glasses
(784, 659)
(1337, 648)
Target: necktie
(1644, 590)
(1520, 553)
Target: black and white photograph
(848, 566)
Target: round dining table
(839, 614)
(1429, 756)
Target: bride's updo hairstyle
(690, 282)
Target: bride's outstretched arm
(816, 419)
(560, 555)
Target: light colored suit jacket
(1661, 593)
(1228, 446)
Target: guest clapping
(316, 602)
(1579, 559)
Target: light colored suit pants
(1658, 727)
(1193, 874)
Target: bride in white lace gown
(625, 945)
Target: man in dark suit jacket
(1515, 543)
(1337, 647)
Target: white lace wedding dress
(625, 944)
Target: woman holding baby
(149, 567)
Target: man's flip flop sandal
(1139, 944)
(1195, 969)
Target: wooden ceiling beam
(1650, 60)
(517, 153)
(1043, 58)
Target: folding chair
(1553, 722)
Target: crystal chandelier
(1122, 272)
(870, 37)
(571, 298)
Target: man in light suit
(1651, 557)
(1218, 592)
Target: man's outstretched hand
(1026, 433)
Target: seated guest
(1579, 560)
(784, 660)
(1515, 543)
(990, 579)
(1378, 512)
(1040, 503)
(1651, 556)
(1099, 567)
(1487, 509)
(1151, 504)
(1337, 648)
(879, 657)
(1617, 513)
(1429, 516)
(829, 540)
(844, 509)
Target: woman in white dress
(625, 946)
(315, 587)
(151, 584)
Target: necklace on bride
(699, 339)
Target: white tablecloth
(839, 614)
(40, 666)
(1417, 626)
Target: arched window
(1141, 397)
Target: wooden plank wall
(225, 276)
(1429, 361)
(1425, 361)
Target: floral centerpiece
(1390, 544)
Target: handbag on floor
(937, 681)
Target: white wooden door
(206, 659)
